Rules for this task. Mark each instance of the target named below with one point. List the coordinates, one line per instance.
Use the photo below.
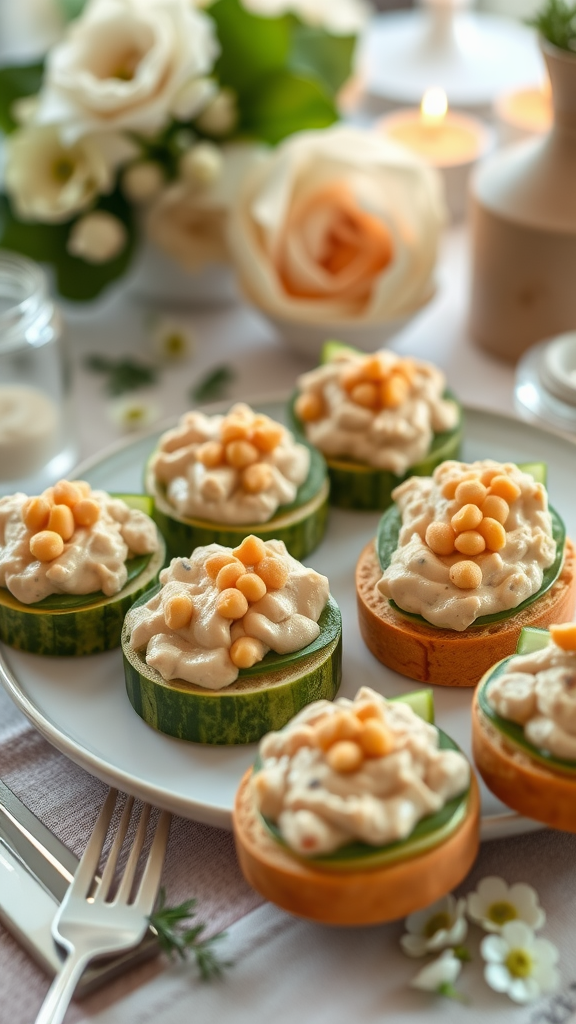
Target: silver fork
(87, 923)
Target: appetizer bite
(462, 561)
(232, 643)
(524, 727)
(72, 561)
(357, 812)
(376, 419)
(218, 478)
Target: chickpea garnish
(246, 651)
(274, 573)
(178, 611)
(466, 575)
(309, 407)
(251, 550)
(345, 756)
(46, 545)
(35, 514)
(564, 635)
(61, 520)
(229, 574)
(232, 604)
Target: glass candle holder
(36, 442)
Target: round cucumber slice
(428, 833)
(301, 525)
(256, 703)
(513, 732)
(78, 624)
(363, 488)
(387, 542)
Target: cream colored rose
(190, 219)
(340, 17)
(50, 182)
(337, 225)
(126, 64)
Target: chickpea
(251, 586)
(251, 550)
(229, 574)
(467, 518)
(257, 478)
(246, 651)
(274, 572)
(345, 756)
(308, 407)
(46, 545)
(505, 488)
(564, 635)
(267, 436)
(61, 520)
(232, 604)
(66, 493)
(217, 562)
(450, 487)
(470, 492)
(375, 739)
(240, 454)
(35, 514)
(341, 725)
(366, 395)
(495, 508)
(494, 534)
(466, 575)
(470, 542)
(210, 454)
(394, 391)
(86, 512)
(440, 538)
(178, 611)
(234, 428)
(350, 376)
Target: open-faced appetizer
(72, 561)
(462, 561)
(524, 727)
(232, 644)
(376, 419)
(218, 478)
(357, 811)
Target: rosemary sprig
(122, 374)
(556, 21)
(213, 385)
(178, 940)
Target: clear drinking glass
(36, 442)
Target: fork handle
(62, 988)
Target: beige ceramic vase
(523, 227)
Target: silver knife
(35, 871)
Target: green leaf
(122, 374)
(15, 82)
(213, 386)
(317, 54)
(251, 47)
(284, 103)
(556, 21)
(75, 278)
(71, 8)
(175, 939)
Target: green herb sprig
(556, 22)
(122, 375)
(178, 940)
(213, 386)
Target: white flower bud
(221, 114)
(97, 237)
(202, 164)
(142, 181)
(24, 109)
(192, 98)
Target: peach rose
(337, 224)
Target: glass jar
(36, 442)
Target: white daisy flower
(494, 903)
(441, 925)
(439, 975)
(133, 413)
(518, 964)
(171, 339)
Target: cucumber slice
(532, 639)
(363, 488)
(74, 625)
(301, 525)
(387, 542)
(428, 833)
(255, 704)
(332, 348)
(513, 732)
(421, 702)
(539, 470)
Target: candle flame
(434, 106)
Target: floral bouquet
(145, 115)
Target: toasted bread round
(356, 897)
(444, 656)
(522, 783)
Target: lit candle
(524, 112)
(451, 142)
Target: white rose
(97, 238)
(124, 64)
(339, 224)
(340, 17)
(50, 182)
(189, 221)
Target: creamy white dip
(318, 809)
(217, 493)
(538, 691)
(283, 620)
(418, 579)
(386, 438)
(92, 560)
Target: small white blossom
(202, 164)
(518, 964)
(441, 925)
(439, 975)
(24, 109)
(143, 181)
(494, 903)
(221, 114)
(192, 98)
(97, 238)
(171, 339)
(133, 413)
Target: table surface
(340, 973)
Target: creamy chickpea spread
(366, 769)
(237, 468)
(475, 540)
(222, 610)
(69, 540)
(381, 410)
(538, 692)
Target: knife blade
(36, 868)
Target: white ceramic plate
(80, 705)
